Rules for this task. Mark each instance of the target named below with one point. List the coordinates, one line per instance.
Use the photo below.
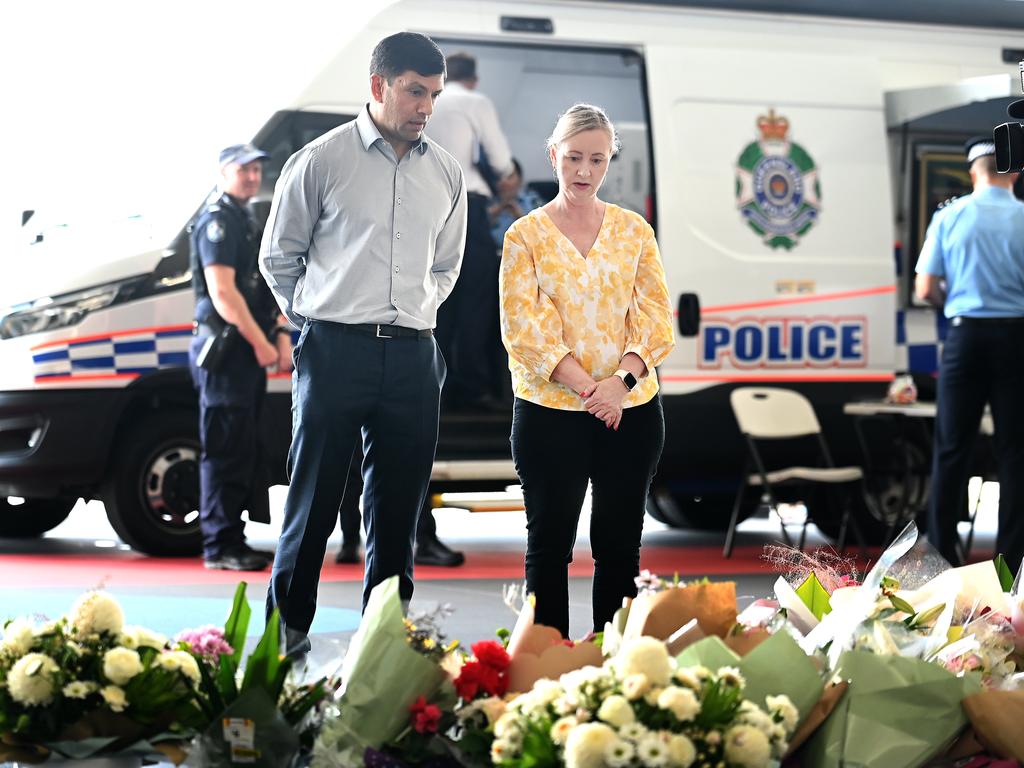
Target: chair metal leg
(730, 535)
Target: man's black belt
(386, 331)
(965, 320)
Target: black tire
(32, 517)
(709, 512)
(152, 494)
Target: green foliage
(813, 595)
(1004, 573)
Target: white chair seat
(811, 474)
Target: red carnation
(425, 717)
(467, 684)
(492, 654)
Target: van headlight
(49, 313)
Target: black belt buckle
(381, 335)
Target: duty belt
(386, 331)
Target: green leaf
(263, 668)
(1003, 571)
(902, 605)
(237, 625)
(814, 596)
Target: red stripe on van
(781, 377)
(113, 334)
(92, 377)
(882, 289)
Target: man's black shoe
(240, 558)
(434, 552)
(348, 554)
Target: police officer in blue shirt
(972, 265)
(239, 333)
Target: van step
(499, 501)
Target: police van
(778, 156)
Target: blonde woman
(585, 317)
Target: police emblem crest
(214, 231)
(778, 191)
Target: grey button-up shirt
(356, 235)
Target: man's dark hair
(461, 66)
(403, 51)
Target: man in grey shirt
(363, 243)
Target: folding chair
(768, 414)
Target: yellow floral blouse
(555, 302)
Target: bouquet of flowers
(252, 714)
(481, 684)
(395, 689)
(641, 709)
(87, 684)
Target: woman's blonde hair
(582, 117)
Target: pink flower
(207, 642)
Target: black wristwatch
(627, 378)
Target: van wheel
(709, 512)
(32, 517)
(152, 495)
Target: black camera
(1009, 137)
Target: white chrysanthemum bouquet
(640, 709)
(87, 683)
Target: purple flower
(207, 642)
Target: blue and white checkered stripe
(919, 337)
(125, 353)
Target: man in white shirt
(466, 124)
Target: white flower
(687, 678)
(115, 698)
(140, 637)
(121, 664)
(681, 702)
(492, 708)
(646, 655)
(633, 731)
(585, 747)
(616, 711)
(79, 689)
(18, 636)
(506, 724)
(563, 706)
(635, 686)
(751, 714)
(681, 751)
(653, 751)
(180, 660)
(31, 680)
(502, 750)
(713, 738)
(747, 747)
(651, 697)
(47, 627)
(546, 691)
(560, 730)
(96, 612)
(619, 753)
(783, 708)
(731, 676)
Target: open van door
(773, 198)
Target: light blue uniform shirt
(356, 235)
(976, 244)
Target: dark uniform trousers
(230, 401)
(349, 383)
(982, 361)
(467, 322)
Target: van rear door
(774, 207)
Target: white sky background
(109, 108)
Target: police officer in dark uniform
(972, 266)
(239, 334)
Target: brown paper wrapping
(997, 717)
(659, 615)
(537, 652)
(819, 714)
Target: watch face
(630, 381)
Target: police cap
(979, 146)
(241, 154)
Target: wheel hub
(172, 486)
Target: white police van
(778, 157)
